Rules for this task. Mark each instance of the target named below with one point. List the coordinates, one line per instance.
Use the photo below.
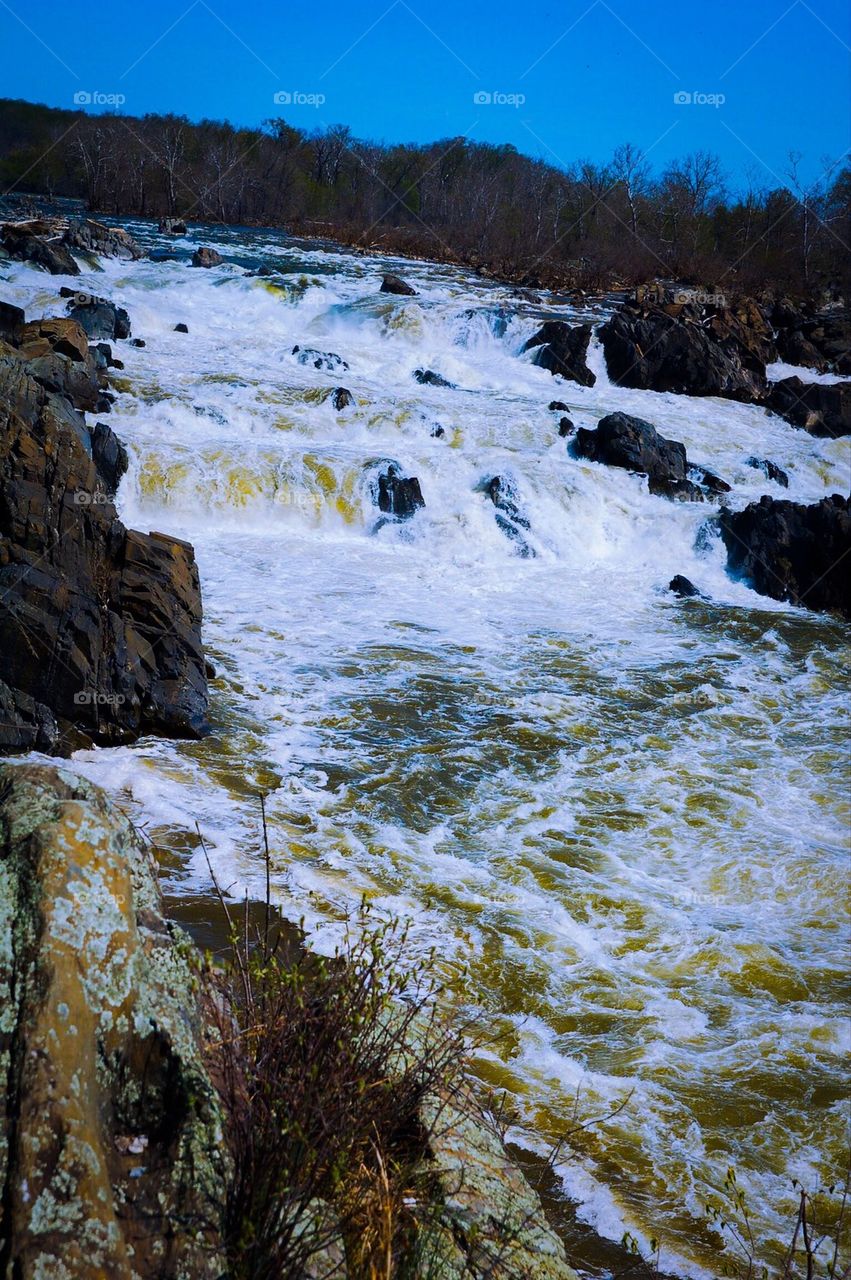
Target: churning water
(620, 818)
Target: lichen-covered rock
(111, 1135)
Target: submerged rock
(428, 378)
(327, 360)
(206, 257)
(623, 441)
(341, 398)
(770, 470)
(562, 349)
(793, 552)
(565, 427)
(558, 406)
(113, 1163)
(684, 588)
(823, 409)
(509, 518)
(397, 495)
(181, 328)
(395, 284)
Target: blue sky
(566, 80)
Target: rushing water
(620, 818)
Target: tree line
(587, 225)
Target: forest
(589, 225)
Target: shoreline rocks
(823, 409)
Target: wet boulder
(565, 427)
(327, 360)
(770, 470)
(11, 320)
(109, 456)
(395, 284)
(684, 349)
(510, 519)
(89, 236)
(823, 409)
(562, 349)
(113, 1163)
(793, 552)
(206, 257)
(395, 494)
(100, 318)
(684, 588)
(623, 441)
(48, 252)
(428, 378)
(181, 327)
(172, 226)
(341, 398)
(558, 406)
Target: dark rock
(437, 432)
(21, 243)
(563, 350)
(397, 495)
(25, 725)
(509, 517)
(101, 319)
(327, 360)
(100, 625)
(689, 352)
(796, 349)
(683, 587)
(181, 328)
(708, 480)
(341, 398)
(205, 257)
(11, 320)
(622, 441)
(823, 409)
(94, 237)
(395, 284)
(527, 295)
(428, 378)
(770, 470)
(137, 342)
(559, 406)
(793, 552)
(172, 226)
(565, 427)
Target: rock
(565, 427)
(796, 349)
(622, 441)
(684, 588)
(205, 257)
(527, 295)
(56, 354)
(327, 360)
(428, 378)
(341, 398)
(563, 349)
(110, 242)
(437, 432)
(397, 495)
(20, 242)
(395, 284)
(181, 328)
(100, 625)
(113, 1164)
(770, 470)
(137, 342)
(697, 351)
(101, 319)
(823, 409)
(25, 725)
(559, 406)
(11, 320)
(172, 226)
(509, 518)
(708, 480)
(793, 552)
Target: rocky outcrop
(206, 257)
(770, 470)
(563, 350)
(395, 284)
(32, 242)
(101, 626)
(395, 494)
(89, 236)
(686, 348)
(793, 552)
(111, 1133)
(327, 360)
(99, 318)
(823, 409)
(623, 441)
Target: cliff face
(113, 1140)
(111, 1135)
(100, 627)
